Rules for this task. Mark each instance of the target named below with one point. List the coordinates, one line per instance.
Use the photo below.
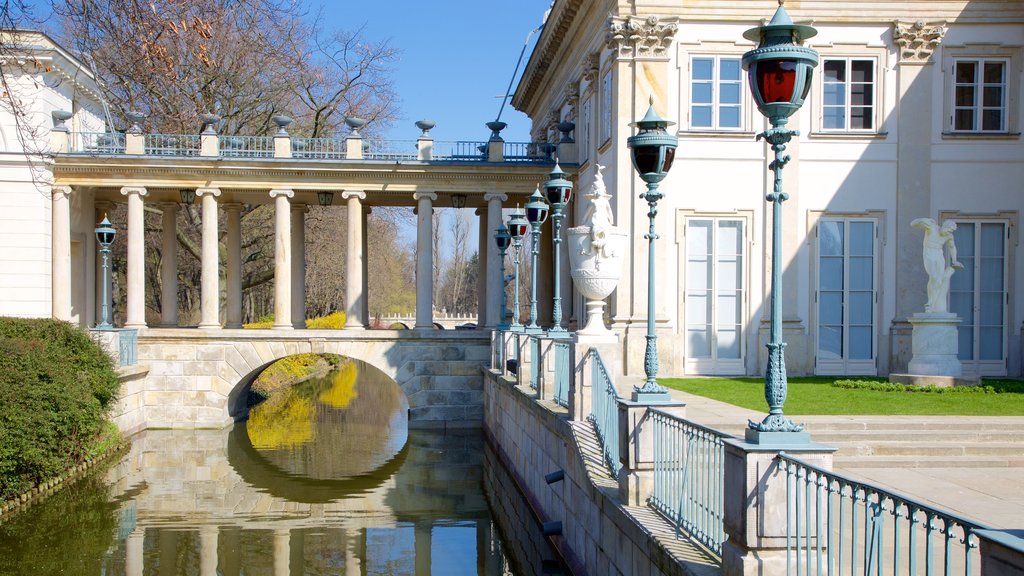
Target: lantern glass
(517, 225)
(325, 198)
(105, 237)
(559, 194)
(776, 80)
(536, 212)
(502, 238)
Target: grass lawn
(817, 395)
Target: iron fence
(318, 148)
(128, 346)
(374, 149)
(464, 151)
(836, 525)
(563, 371)
(535, 361)
(528, 152)
(689, 477)
(604, 412)
(172, 144)
(247, 146)
(98, 143)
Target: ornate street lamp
(653, 150)
(458, 201)
(325, 198)
(536, 214)
(779, 75)
(187, 195)
(517, 224)
(559, 192)
(503, 240)
(105, 233)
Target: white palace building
(915, 111)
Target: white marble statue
(939, 260)
(599, 214)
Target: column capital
(129, 190)
(917, 40)
(231, 207)
(424, 196)
(64, 191)
(359, 194)
(492, 196)
(286, 192)
(208, 191)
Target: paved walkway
(992, 496)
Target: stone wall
(599, 533)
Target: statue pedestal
(934, 344)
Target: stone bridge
(190, 378)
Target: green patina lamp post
(516, 229)
(105, 233)
(503, 240)
(536, 214)
(652, 149)
(779, 75)
(558, 191)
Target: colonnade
(289, 259)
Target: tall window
(606, 109)
(977, 294)
(979, 95)
(586, 116)
(846, 296)
(848, 94)
(714, 296)
(715, 93)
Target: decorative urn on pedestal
(595, 256)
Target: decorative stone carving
(595, 255)
(591, 67)
(573, 101)
(641, 37)
(938, 244)
(917, 41)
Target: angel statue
(939, 260)
(599, 214)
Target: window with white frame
(846, 296)
(848, 94)
(606, 109)
(714, 295)
(979, 95)
(977, 294)
(586, 117)
(716, 93)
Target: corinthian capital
(918, 40)
(641, 36)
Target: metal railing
(390, 149)
(604, 412)
(459, 151)
(689, 477)
(247, 146)
(535, 361)
(98, 143)
(128, 346)
(318, 148)
(171, 144)
(563, 370)
(837, 525)
(528, 152)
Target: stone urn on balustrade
(596, 270)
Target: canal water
(323, 478)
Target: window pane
(831, 273)
(861, 305)
(830, 238)
(965, 95)
(729, 69)
(830, 342)
(835, 71)
(702, 94)
(965, 342)
(992, 96)
(963, 120)
(991, 275)
(860, 343)
(862, 71)
(698, 236)
(728, 272)
(730, 237)
(698, 342)
(830, 309)
(991, 241)
(963, 236)
(729, 117)
(861, 95)
(991, 344)
(861, 118)
(994, 72)
(992, 120)
(991, 309)
(728, 343)
(730, 94)
(834, 118)
(835, 94)
(862, 238)
(701, 116)
(965, 72)
(728, 312)
(962, 304)
(697, 309)
(698, 275)
(702, 68)
(861, 273)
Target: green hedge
(56, 385)
(986, 387)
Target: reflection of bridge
(196, 378)
(443, 320)
(207, 481)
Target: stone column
(299, 265)
(424, 260)
(481, 271)
(494, 264)
(133, 555)
(366, 266)
(208, 551)
(169, 265)
(282, 551)
(210, 287)
(234, 265)
(282, 259)
(355, 296)
(60, 263)
(136, 273)
(102, 211)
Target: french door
(715, 295)
(846, 296)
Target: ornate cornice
(641, 36)
(918, 40)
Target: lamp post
(559, 192)
(325, 198)
(105, 236)
(503, 240)
(779, 75)
(536, 214)
(517, 224)
(652, 150)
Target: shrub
(333, 321)
(987, 387)
(288, 371)
(56, 385)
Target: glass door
(977, 294)
(846, 297)
(714, 296)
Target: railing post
(755, 504)
(495, 144)
(636, 448)
(60, 140)
(1002, 553)
(134, 143)
(425, 143)
(282, 141)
